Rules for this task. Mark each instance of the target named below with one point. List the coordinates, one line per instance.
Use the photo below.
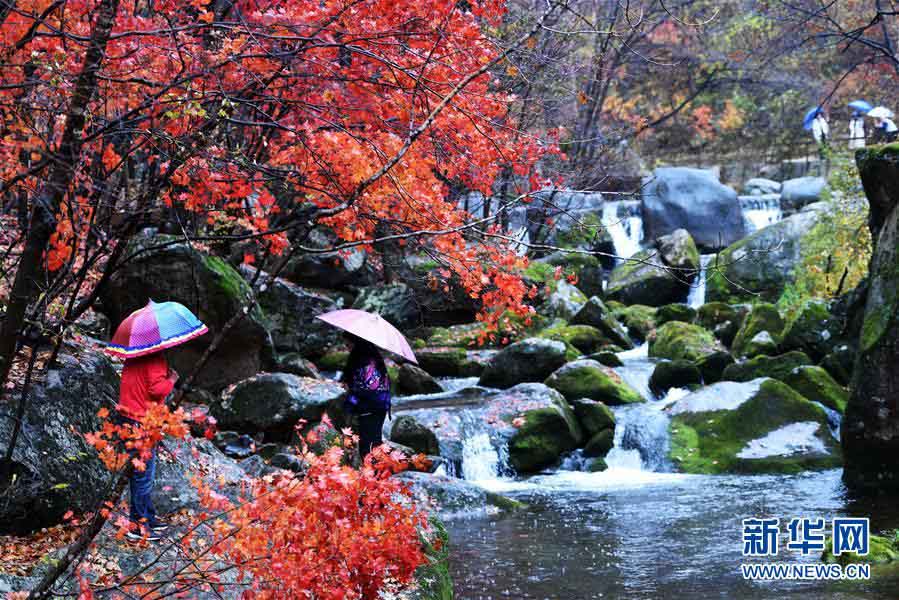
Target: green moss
(584, 338)
(677, 339)
(777, 367)
(639, 319)
(723, 320)
(764, 317)
(881, 550)
(593, 416)
(675, 373)
(546, 434)
(805, 329)
(600, 444)
(589, 379)
(708, 442)
(504, 503)
(334, 360)
(462, 336)
(675, 312)
(230, 283)
(598, 465)
(433, 580)
(817, 385)
(447, 362)
(877, 322)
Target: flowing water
(638, 530)
(625, 226)
(761, 211)
(696, 298)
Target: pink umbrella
(371, 327)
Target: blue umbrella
(860, 105)
(810, 116)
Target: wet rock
(288, 461)
(579, 339)
(762, 264)
(415, 380)
(179, 460)
(406, 430)
(640, 320)
(596, 314)
(761, 343)
(763, 318)
(295, 364)
(812, 330)
(712, 366)
(546, 434)
(762, 426)
(564, 301)
(453, 497)
(839, 364)
(777, 367)
(56, 470)
(600, 444)
(674, 374)
(529, 360)
(675, 312)
(272, 403)
(797, 193)
(592, 416)
(816, 384)
(290, 312)
(606, 357)
(329, 270)
(676, 339)
(589, 379)
(165, 269)
(395, 302)
(723, 320)
(692, 199)
(678, 251)
(658, 275)
(453, 362)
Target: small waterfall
(641, 435)
(697, 292)
(480, 460)
(761, 211)
(625, 225)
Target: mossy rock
(881, 550)
(674, 373)
(597, 314)
(817, 385)
(723, 320)
(600, 444)
(447, 362)
(645, 279)
(408, 431)
(777, 367)
(547, 434)
(335, 360)
(608, 358)
(529, 360)
(679, 340)
(738, 440)
(589, 379)
(761, 343)
(584, 338)
(675, 312)
(711, 366)
(458, 336)
(639, 319)
(586, 267)
(839, 364)
(598, 465)
(763, 317)
(811, 329)
(593, 416)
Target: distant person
(145, 380)
(886, 130)
(369, 391)
(821, 133)
(856, 131)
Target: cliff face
(870, 432)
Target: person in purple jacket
(366, 378)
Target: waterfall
(625, 226)
(761, 211)
(480, 460)
(697, 292)
(641, 435)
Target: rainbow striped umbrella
(155, 327)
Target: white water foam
(696, 298)
(626, 230)
(481, 462)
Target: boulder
(592, 416)
(797, 193)
(676, 339)
(415, 380)
(776, 367)
(596, 314)
(330, 270)
(675, 312)
(761, 343)
(678, 251)
(564, 301)
(711, 366)
(453, 362)
(584, 339)
(395, 302)
(272, 403)
(759, 186)
(674, 374)
(453, 497)
(529, 360)
(55, 469)
(599, 445)
(290, 313)
(870, 427)
(658, 275)
(839, 364)
(816, 384)
(589, 379)
(546, 434)
(692, 199)
(723, 320)
(164, 268)
(762, 264)
(586, 267)
(760, 426)
(639, 319)
(295, 364)
(763, 318)
(812, 329)
(406, 430)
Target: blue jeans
(141, 485)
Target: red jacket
(144, 380)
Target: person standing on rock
(368, 384)
(145, 380)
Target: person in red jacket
(145, 380)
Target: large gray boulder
(162, 268)
(330, 270)
(759, 186)
(658, 275)
(290, 312)
(692, 199)
(763, 264)
(272, 403)
(56, 470)
(531, 359)
(797, 193)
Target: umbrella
(880, 112)
(860, 105)
(155, 327)
(809, 117)
(370, 327)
